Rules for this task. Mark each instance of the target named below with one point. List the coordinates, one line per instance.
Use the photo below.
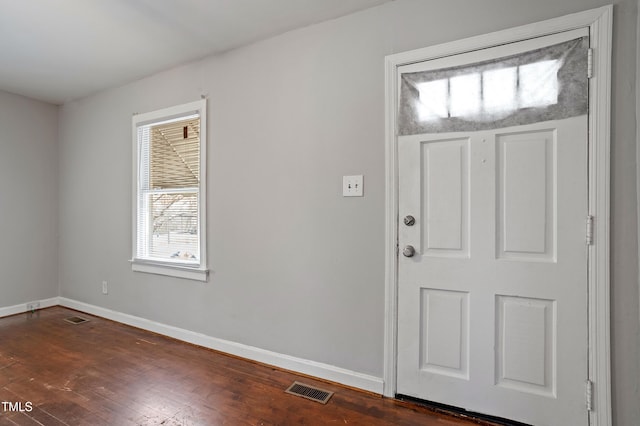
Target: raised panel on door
(526, 216)
(445, 198)
(444, 350)
(526, 345)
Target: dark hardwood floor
(104, 373)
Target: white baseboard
(22, 308)
(299, 365)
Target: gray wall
(296, 268)
(638, 127)
(625, 349)
(28, 200)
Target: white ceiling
(61, 50)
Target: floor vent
(309, 392)
(76, 320)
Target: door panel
(445, 198)
(444, 351)
(525, 356)
(526, 201)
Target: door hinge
(589, 230)
(589, 395)
(589, 63)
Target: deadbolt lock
(409, 220)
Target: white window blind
(169, 197)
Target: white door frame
(599, 22)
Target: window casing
(169, 195)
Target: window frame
(178, 269)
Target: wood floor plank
(104, 373)
(19, 419)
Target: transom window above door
(525, 88)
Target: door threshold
(482, 419)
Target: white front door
(492, 305)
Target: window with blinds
(169, 194)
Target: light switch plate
(353, 186)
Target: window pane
(539, 84)
(499, 90)
(465, 95)
(175, 154)
(173, 226)
(433, 99)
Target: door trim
(599, 22)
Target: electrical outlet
(105, 287)
(352, 186)
(33, 306)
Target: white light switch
(352, 186)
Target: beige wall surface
(296, 268)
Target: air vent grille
(309, 392)
(76, 320)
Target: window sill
(178, 271)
